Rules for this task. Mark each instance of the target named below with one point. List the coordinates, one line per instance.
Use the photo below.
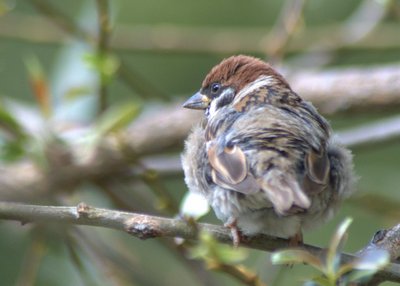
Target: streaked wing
(230, 169)
(317, 172)
(283, 190)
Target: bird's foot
(191, 221)
(296, 240)
(235, 232)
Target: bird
(263, 157)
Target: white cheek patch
(214, 103)
(253, 86)
(213, 108)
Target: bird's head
(234, 77)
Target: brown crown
(238, 71)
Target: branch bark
(145, 227)
(348, 89)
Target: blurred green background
(159, 53)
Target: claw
(296, 240)
(191, 221)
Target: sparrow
(264, 158)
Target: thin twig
(180, 252)
(75, 252)
(178, 39)
(286, 25)
(114, 268)
(104, 31)
(140, 84)
(113, 191)
(363, 21)
(145, 227)
(377, 204)
(32, 259)
(349, 89)
(359, 28)
(127, 74)
(370, 134)
(239, 272)
(166, 202)
(61, 20)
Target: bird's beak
(197, 101)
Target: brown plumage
(240, 70)
(264, 158)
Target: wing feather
(229, 169)
(283, 190)
(317, 172)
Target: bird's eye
(215, 87)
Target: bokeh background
(75, 74)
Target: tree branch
(148, 135)
(331, 90)
(284, 29)
(102, 44)
(367, 135)
(58, 18)
(239, 273)
(178, 39)
(370, 134)
(347, 89)
(102, 49)
(145, 227)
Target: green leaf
(9, 124)
(12, 145)
(77, 92)
(39, 84)
(200, 251)
(11, 150)
(203, 247)
(6, 6)
(210, 250)
(106, 64)
(290, 256)
(335, 248)
(320, 280)
(358, 275)
(372, 260)
(229, 255)
(345, 268)
(117, 117)
(34, 67)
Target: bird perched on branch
(264, 158)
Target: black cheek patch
(225, 100)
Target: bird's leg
(191, 221)
(296, 240)
(235, 232)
